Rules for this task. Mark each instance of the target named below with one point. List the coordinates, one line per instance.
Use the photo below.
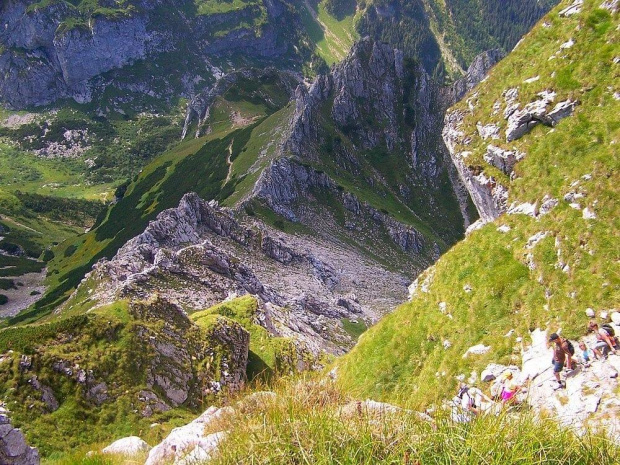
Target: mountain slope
(444, 35)
(550, 249)
(375, 186)
(105, 85)
(150, 52)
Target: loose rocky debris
(198, 254)
(13, 447)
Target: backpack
(610, 330)
(462, 392)
(571, 349)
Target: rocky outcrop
(202, 248)
(522, 121)
(13, 447)
(50, 59)
(503, 160)
(285, 182)
(172, 366)
(488, 195)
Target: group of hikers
(471, 400)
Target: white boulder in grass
(615, 318)
(478, 349)
(183, 440)
(590, 313)
(128, 446)
(588, 214)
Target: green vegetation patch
(72, 356)
(355, 328)
(269, 355)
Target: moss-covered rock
(114, 367)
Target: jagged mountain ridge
(345, 241)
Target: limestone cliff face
(380, 103)
(48, 62)
(54, 51)
(488, 195)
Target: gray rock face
(488, 195)
(504, 160)
(364, 95)
(50, 62)
(175, 353)
(285, 182)
(13, 447)
(590, 393)
(52, 51)
(198, 255)
(520, 122)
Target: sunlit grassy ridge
(333, 37)
(305, 422)
(268, 355)
(494, 281)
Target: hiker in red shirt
(561, 354)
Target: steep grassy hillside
(306, 421)
(521, 271)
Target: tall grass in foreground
(305, 424)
